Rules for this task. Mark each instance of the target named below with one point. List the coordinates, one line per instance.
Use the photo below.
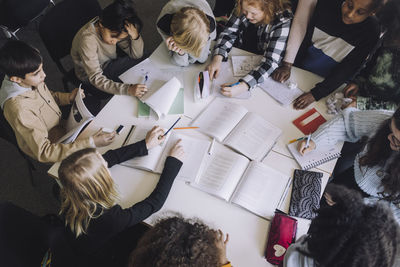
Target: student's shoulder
(87, 34)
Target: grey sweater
(164, 22)
(351, 126)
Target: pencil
(170, 128)
(295, 140)
(185, 128)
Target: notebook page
(150, 161)
(221, 172)
(261, 189)
(242, 65)
(219, 118)
(315, 157)
(280, 91)
(195, 150)
(253, 136)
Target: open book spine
(321, 161)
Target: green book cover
(176, 108)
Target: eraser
(120, 129)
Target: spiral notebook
(315, 157)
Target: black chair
(15, 14)
(25, 238)
(7, 133)
(58, 28)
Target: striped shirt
(351, 126)
(271, 39)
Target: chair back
(59, 26)
(15, 14)
(6, 132)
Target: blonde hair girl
(187, 27)
(258, 26)
(89, 197)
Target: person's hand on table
(352, 103)
(302, 147)
(154, 137)
(171, 45)
(303, 101)
(132, 31)
(350, 90)
(282, 73)
(73, 94)
(221, 246)
(103, 139)
(231, 90)
(214, 67)
(177, 151)
(137, 90)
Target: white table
(248, 232)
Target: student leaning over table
(94, 51)
(334, 45)
(32, 110)
(378, 85)
(187, 27)
(348, 232)
(376, 169)
(261, 27)
(89, 196)
(176, 241)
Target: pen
(210, 150)
(233, 84)
(170, 128)
(145, 78)
(308, 140)
(185, 128)
(295, 140)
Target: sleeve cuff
(251, 82)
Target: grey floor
(15, 184)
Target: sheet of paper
(221, 172)
(253, 136)
(195, 150)
(280, 91)
(261, 189)
(242, 65)
(219, 118)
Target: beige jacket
(35, 118)
(91, 55)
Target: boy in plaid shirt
(259, 27)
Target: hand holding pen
(231, 90)
(153, 137)
(306, 145)
(140, 89)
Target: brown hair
(269, 7)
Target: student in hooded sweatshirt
(187, 27)
(32, 110)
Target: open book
(78, 118)
(165, 89)
(234, 178)
(281, 92)
(195, 150)
(232, 124)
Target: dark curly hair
(353, 234)
(378, 153)
(116, 15)
(176, 241)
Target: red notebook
(309, 121)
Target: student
(180, 242)
(187, 27)
(348, 232)
(258, 26)
(32, 110)
(378, 85)
(337, 42)
(89, 196)
(376, 169)
(95, 51)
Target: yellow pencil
(185, 128)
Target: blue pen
(233, 84)
(170, 128)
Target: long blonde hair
(190, 29)
(269, 7)
(86, 185)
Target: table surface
(248, 232)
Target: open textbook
(78, 118)
(195, 150)
(165, 89)
(232, 124)
(234, 178)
